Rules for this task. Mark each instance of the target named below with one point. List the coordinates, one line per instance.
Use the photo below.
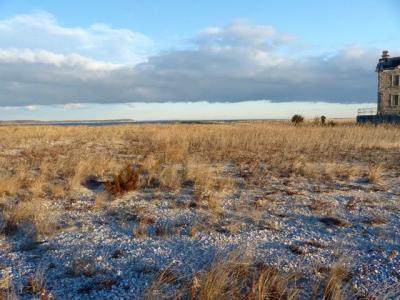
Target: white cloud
(41, 31)
(57, 60)
(73, 106)
(243, 35)
(240, 61)
(9, 107)
(31, 107)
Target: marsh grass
(335, 285)
(33, 218)
(43, 168)
(240, 276)
(11, 185)
(7, 289)
(374, 174)
(177, 154)
(236, 277)
(171, 177)
(36, 287)
(102, 201)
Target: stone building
(388, 108)
(388, 70)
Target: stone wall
(385, 89)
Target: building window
(394, 100)
(395, 80)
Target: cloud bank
(44, 63)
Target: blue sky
(321, 24)
(182, 60)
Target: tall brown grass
(45, 162)
(35, 217)
(207, 143)
(41, 166)
(374, 173)
(235, 277)
(240, 276)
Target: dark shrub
(297, 119)
(323, 119)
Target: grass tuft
(36, 287)
(374, 174)
(236, 277)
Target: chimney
(385, 54)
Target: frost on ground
(113, 247)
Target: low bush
(323, 120)
(127, 180)
(297, 119)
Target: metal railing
(367, 111)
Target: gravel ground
(100, 254)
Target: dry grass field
(246, 210)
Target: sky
(160, 60)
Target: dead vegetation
(335, 283)
(374, 174)
(375, 220)
(45, 170)
(29, 220)
(7, 290)
(36, 287)
(82, 267)
(126, 158)
(240, 276)
(235, 277)
(334, 221)
(127, 180)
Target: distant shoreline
(130, 122)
